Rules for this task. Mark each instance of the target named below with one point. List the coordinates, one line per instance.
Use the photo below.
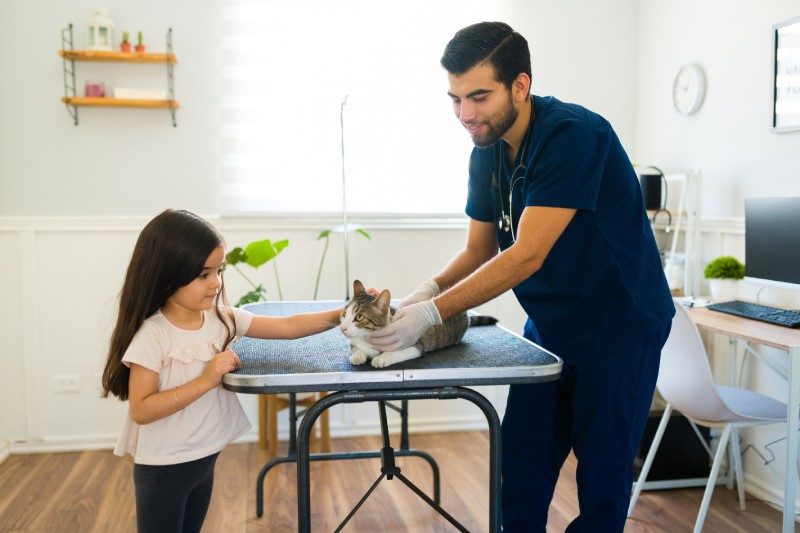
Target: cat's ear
(384, 298)
(358, 288)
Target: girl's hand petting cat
(426, 291)
(408, 325)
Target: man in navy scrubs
(556, 215)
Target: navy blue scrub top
(602, 286)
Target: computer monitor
(772, 241)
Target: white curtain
(286, 68)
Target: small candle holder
(95, 89)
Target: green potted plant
(256, 254)
(724, 274)
(139, 45)
(125, 45)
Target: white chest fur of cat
(365, 314)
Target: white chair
(686, 383)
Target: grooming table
(487, 355)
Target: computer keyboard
(773, 315)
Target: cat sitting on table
(364, 314)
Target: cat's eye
(359, 317)
(344, 313)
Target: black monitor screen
(772, 239)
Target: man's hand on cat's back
(408, 325)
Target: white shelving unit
(680, 232)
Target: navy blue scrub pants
(597, 408)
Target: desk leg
(733, 346)
(446, 393)
(792, 426)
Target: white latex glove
(408, 325)
(426, 291)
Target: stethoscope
(519, 172)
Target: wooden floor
(93, 492)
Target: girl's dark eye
(359, 317)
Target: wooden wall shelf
(69, 56)
(121, 102)
(119, 57)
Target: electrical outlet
(67, 383)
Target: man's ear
(521, 87)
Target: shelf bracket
(69, 72)
(170, 79)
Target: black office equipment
(773, 315)
(772, 241)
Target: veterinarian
(555, 214)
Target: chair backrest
(684, 378)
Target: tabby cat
(365, 313)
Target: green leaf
(280, 245)
(259, 252)
(235, 256)
(324, 234)
(364, 233)
(256, 295)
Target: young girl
(168, 353)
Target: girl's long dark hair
(171, 252)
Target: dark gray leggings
(173, 498)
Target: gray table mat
(487, 349)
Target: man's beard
(497, 126)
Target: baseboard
(5, 451)
(64, 445)
(107, 442)
(765, 493)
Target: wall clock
(689, 89)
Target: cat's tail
(482, 320)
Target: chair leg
(712, 478)
(651, 454)
(737, 466)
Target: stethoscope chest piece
(504, 223)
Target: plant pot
(139, 48)
(125, 47)
(723, 290)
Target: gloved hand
(426, 291)
(408, 325)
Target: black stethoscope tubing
(506, 223)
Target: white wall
(72, 199)
(729, 138)
(116, 161)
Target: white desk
(787, 340)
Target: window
(287, 69)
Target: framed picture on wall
(786, 76)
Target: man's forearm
(488, 281)
(460, 267)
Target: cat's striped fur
(365, 313)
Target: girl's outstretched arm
(293, 326)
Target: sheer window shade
(286, 67)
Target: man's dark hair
(492, 43)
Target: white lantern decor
(101, 30)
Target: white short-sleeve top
(203, 427)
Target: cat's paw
(383, 360)
(359, 357)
